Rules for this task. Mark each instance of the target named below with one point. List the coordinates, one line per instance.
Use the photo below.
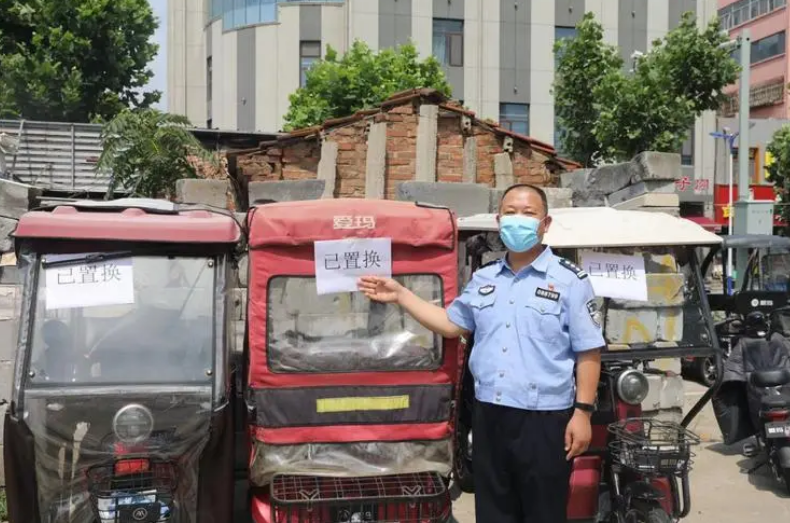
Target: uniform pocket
(483, 310)
(542, 321)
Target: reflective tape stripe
(361, 403)
(352, 405)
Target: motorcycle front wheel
(654, 515)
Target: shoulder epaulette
(575, 269)
(492, 262)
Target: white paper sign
(340, 263)
(616, 275)
(91, 284)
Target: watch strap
(586, 407)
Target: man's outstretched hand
(377, 288)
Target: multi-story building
(768, 22)
(233, 63)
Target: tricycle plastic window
(155, 325)
(347, 332)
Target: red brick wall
(402, 124)
(298, 158)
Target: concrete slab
(649, 200)
(626, 326)
(656, 166)
(16, 198)
(663, 290)
(465, 199)
(645, 187)
(286, 190)
(206, 192)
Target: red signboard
(721, 200)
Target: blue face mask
(519, 233)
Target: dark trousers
(521, 474)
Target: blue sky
(159, 65)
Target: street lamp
(729, 140)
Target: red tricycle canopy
(301, 223)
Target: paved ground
(721, 492)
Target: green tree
(147, 151)
(779, 169)
(608, 113)
(360, 79)
(75, 60)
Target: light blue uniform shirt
(528, 328)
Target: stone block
(503, 170)
(557, 197)
(663, 290)
(244, 267)
(327, 167)
(648, 200)
(672, 392)
(670, 324)
(608, 179)
(637, 189)
(238, 300)
(627, 326)
(575, 179)
(9, 275)
(669, 365)
(285, 191)
(656, 166)
(8, 339)
(665, 415)
(427, 126)
(7, 226)
(6, 379)
(376, 161)
(470, 160)
(653, 399)
(588, 198)
(217, 193)
(17, 198)
(465, 199)
(9, 295)
(660, 263)
(237, 336)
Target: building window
(240, 13)
(741, 12)
(561, 33)
(209, 71)
(448, 42)
(687, 150)
(515, 118)
(768, 47)
(309, 54)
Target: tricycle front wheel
(654, 515)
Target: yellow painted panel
(352, 404)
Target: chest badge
(485, 290)
(547, 294)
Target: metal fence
(53, 156)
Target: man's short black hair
(534, 188)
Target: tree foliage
(147, 151)
(360, 79)
(605, 112)
(75, 60)
(779, 169)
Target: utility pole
(744, 194)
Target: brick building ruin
(416, 135)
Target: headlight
(632, 386)
(133, 423)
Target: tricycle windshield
(117, 318)
(775, 273)
(347, 332)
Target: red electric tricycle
(351, 402)
(121, 409)
(637, 467)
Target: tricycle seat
(780, 401)
(770, 378)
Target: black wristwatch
(586, 407)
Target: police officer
(535, 325)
